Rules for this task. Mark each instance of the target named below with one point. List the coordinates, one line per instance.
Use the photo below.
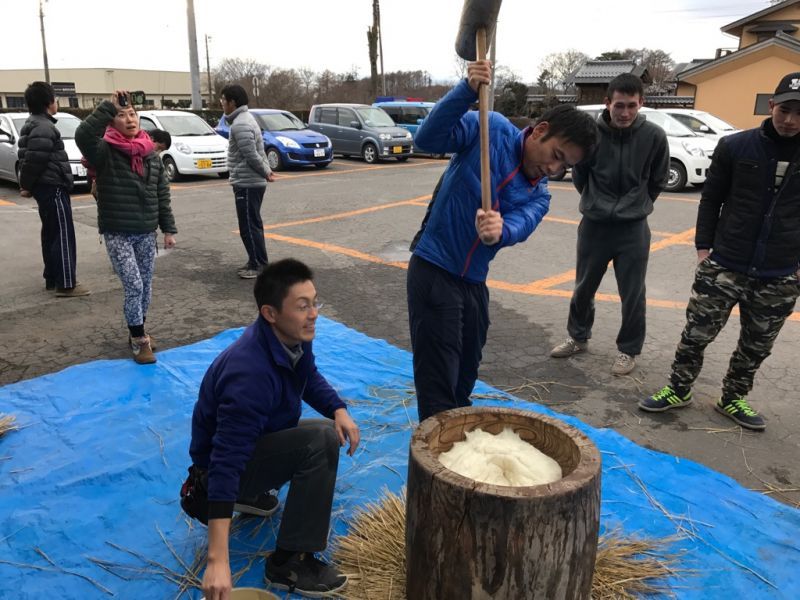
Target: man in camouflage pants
(748, 249)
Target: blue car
(408, 114)
(287, 141)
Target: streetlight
(44, 45)
(208, 71)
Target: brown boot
(153, 346)
(73, 292)
(142, 352)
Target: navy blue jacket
(751, 226)
(249, 390)
(449, 239)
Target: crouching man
(248, 439)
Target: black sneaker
(263, 506)
(665, 399)
(741, 413)
(306, 575)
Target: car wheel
(274, 159)
(224, 174)
(370, 153)
(171, 169)
(676, 180)
(558, 176)
(402, 158)
(322, 165)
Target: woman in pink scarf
(133, 201)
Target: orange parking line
(336, 250)
(7, 203)
(281, 176)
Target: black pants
(627, 245)
(307, 456)
(251, 228)
(58, 235)
(449, 318)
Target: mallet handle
(483, 114)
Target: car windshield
(67, 126)
(375, 117)
(669, 124)
(715, 123)
(185, 125)
(279, 122)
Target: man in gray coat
(618, 186)
(249, 174)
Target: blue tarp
(95, 474)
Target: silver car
(10, 126)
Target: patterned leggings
(133, 257)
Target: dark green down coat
(126, 202)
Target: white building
(86, 88)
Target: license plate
(397, 149)
(319, 152)
(80, 170)
(204, 163)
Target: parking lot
(352, 223)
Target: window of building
(73, 102)
(762, 104)
(15, 101)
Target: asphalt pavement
(352, 223)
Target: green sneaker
(665, 399)
(741, 413)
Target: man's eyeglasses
(307, 306)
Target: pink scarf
(137, 147)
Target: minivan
(196, 148)
(11, 124)
(360, 129)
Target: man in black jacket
(618, 186)
(45, 174)
(748, 250)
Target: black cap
(788, 89)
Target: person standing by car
(249, 174)
(46, 175)
(748, 253)
(618, 186)
(448, 301)
(132, 201)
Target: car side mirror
(5, 138)
(705, 128)
(355, 124)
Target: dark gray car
(359, 129)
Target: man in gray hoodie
(249, 174)
(618, 186)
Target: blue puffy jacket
(250, 389)
(450, 239)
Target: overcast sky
(320, 34)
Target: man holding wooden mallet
(448, 301)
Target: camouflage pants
(764, 305)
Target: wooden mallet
(476, 31)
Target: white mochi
(502, 459)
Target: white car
(11, 124)
(702, 123)
(689, 154)
(196, 148)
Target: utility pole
(44, 45)
(380, 45)
(208, 70)
(194, 65)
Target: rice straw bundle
(7, 423)
(373, 553)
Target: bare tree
(460, 66)
(561, 65)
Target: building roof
(685, 66)
(773, 26)
(735, 27)
(603, 71)
(780, 39)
